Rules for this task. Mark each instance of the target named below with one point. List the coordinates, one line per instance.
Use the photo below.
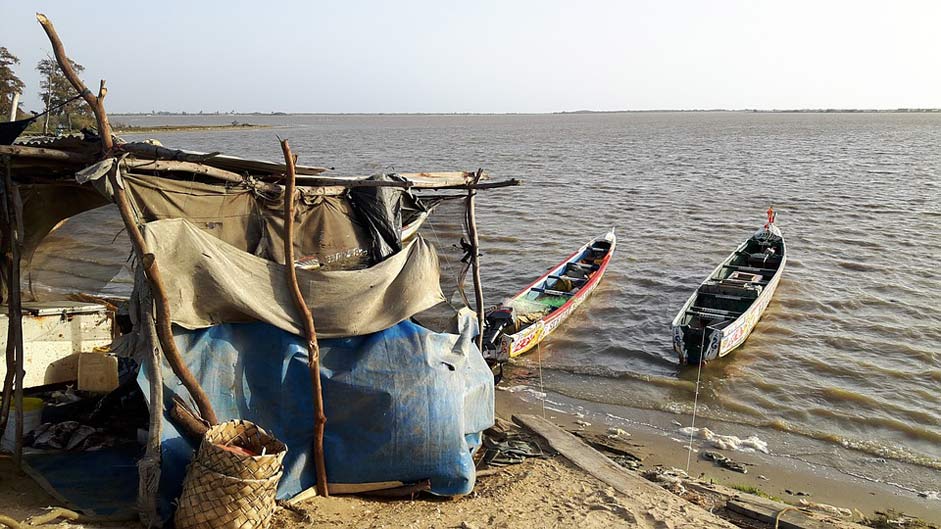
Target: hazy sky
(501, 56)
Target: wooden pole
(13, 217)
(14, 106)
(475, 258)
(164, 330)
(96, 103)
(313, 350)
(162, 303)
(8, 380)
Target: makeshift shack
(263, 291)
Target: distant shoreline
(562, 112)
(131, 129)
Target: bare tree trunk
(146, 259)
(96, 103)
(14, 106)
(45, 121)
(475, 258)
(13, 217)
(313, 350)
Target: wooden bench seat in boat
(734, 289)
(570, 278)
(582, 266)
(726, 296)
(718, 312)
(729, 281)
(550, 292)
(701, 315)
(752, 269)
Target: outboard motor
(494, 327)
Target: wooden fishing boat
(724, 310)
(527, 318)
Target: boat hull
(513, 345)
(723, 341)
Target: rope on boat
(692, 427)
(542, 387)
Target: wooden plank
(768, 511)
(752, 269)
(345, 488)
(42, 153)
(647, 500)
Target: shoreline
(186, 128)
(653, 438)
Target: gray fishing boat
(726, 307)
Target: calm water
(849, 352)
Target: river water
(849, 352)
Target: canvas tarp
(327, 227)
(228, 213)
(210, 282)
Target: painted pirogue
(724, 310)
(519, 324)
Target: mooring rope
(692, 427)
(542, 386)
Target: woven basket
(246, 435)
(224, 490)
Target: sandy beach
(553, 492)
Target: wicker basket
(225, 490)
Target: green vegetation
(751, 489)
(10, 84)
(54, 90)
(896, 520)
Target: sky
(489, 56)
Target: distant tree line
(54, 91)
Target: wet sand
(653, 439)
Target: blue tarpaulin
(404, 404)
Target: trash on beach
(617, 432)
(829, 509)
(724, 462)
(671, 479)
(727, 442)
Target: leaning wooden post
(96, 103)
(13, 216)
(313, 350)
(161, 302)
(146, 259)
(475, 258)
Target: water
(848, 353)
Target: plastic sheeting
(381, 208)
(404, 404)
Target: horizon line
(820, 110)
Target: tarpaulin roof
(209, 281)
